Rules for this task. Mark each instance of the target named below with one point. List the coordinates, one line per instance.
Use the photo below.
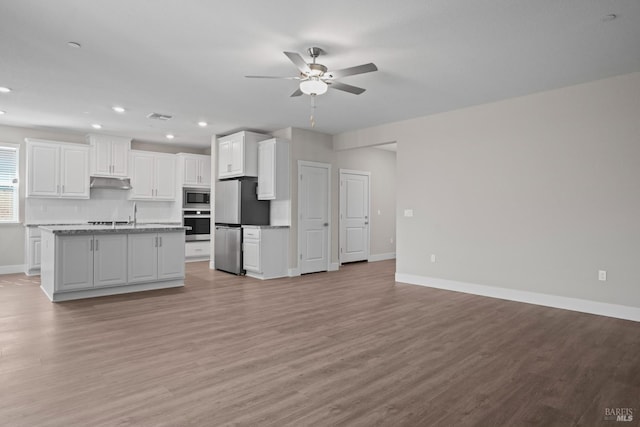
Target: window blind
(8, 184)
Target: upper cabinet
(195, 170)
(273, 169)
(153, 176)
(57, 170)
(238, 154)
(109, 155)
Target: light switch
(408, 212)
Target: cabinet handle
(63, 188)
(155, 239)
(97, 241)
(91, 246)
(160, 241)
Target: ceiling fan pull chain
(313, 110)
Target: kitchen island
(84, 261)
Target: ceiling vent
(158, 116)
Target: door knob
(326, 224)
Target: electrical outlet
(379, 212)
(408, 212)
(602, 275)
(433, 258)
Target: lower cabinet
(155, 256)
(32, 251)
(197, 250)
(89, 261)
(265, 251)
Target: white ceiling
(188, 59)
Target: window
(8, 183)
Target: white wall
(534, 194)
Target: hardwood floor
(343, 348)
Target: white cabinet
(109, 259)
(109, 155)
(155, 256)
(238, 154)
(88, 261)
(273, 169)
(57, 170)
(197, 251)
(195, 170)
(265, 251)
(33, 251)
(152, 176)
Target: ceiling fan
(315, 78)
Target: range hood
(110, 183)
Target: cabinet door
(101, 157)
(120, 157)
(34, 253)
(205, 171)
(142, 257)
(109, 260)
(165, 178)
(74, 174)
(251, 255)
(171, 255)
(43, 164)
(74, 263)
(142, 176)
(237, 157)
(224, 159)
(266, 170)
(190, 170)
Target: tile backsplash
(104, 205)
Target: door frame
(326, 166)
(340, 207)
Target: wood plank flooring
(346, 348)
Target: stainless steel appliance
(200, 223)
(228, 249)
(236, 204)
(196, 198)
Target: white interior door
(313, 214)
(354, 216)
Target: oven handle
(196, 216)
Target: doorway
(355, 196)
(314, 207)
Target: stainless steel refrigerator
(237, 204)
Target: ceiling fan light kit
(313, 86)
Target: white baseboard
(294, 272)
(382, 257)
(212, 265)
(334, 266)
(555, 301)
(12, 269)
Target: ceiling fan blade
(272, 77)
(298, 92)
(298, 61)
(358, 69)
(347, 88)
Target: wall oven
(200, 223)
(196, 198)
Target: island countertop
(104, 229)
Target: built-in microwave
(196, 198)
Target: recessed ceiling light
(170, 136)
(2, 112)
(74, 45)
(118, 109)
(203, 124)
(96, 126)
(4, 89)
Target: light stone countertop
(104, 229)
(265, 227)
